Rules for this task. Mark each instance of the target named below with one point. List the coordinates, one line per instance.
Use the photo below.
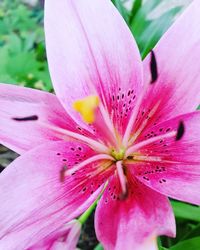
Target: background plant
(22, 49)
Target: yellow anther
(86, 107)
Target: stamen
(154, 75)
(86, 107)
(180, 131)
(92, 143)
(122, 178)
(153, 68)
(27, 118)
(141, 144)
(132, 119)
(107, 120)
(139, 131)
(88, 161)
(147, 158)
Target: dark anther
(62, 173)
(124, 196)
(25, 119)
(130, 157)
(153, 68)
(180, 131)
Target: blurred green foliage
(22, 48)
(149, 20)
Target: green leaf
(136, 6)
(186, 211)
(151, 22)
(156, 29)
(191, 244)
(14, 43)
(159, 243)
(22, 51)
(192, 233)
(99, 247)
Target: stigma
(87, 107)
(118, 155)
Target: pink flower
(116, 123)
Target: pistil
(118, 155)
(122, 178)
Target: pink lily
(116, 124)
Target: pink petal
(19, 102)
(65, 238)
(177, 56)
(88, 54)
(130, 223)
(35, 202)
(177, 173)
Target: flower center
(118, 155)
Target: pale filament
(133, 117)
(94, 144)
(103, 168)
(108, 121)
(141, 144)
(132, 121)
(89, 161)
(122, 177)
(106, 117)
(147, 158)
(138, 132)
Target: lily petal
(177, 56)
(90, 53)
(65, 238)
(175, 171)
(36, 201)
(135, 221)
(18, 102)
